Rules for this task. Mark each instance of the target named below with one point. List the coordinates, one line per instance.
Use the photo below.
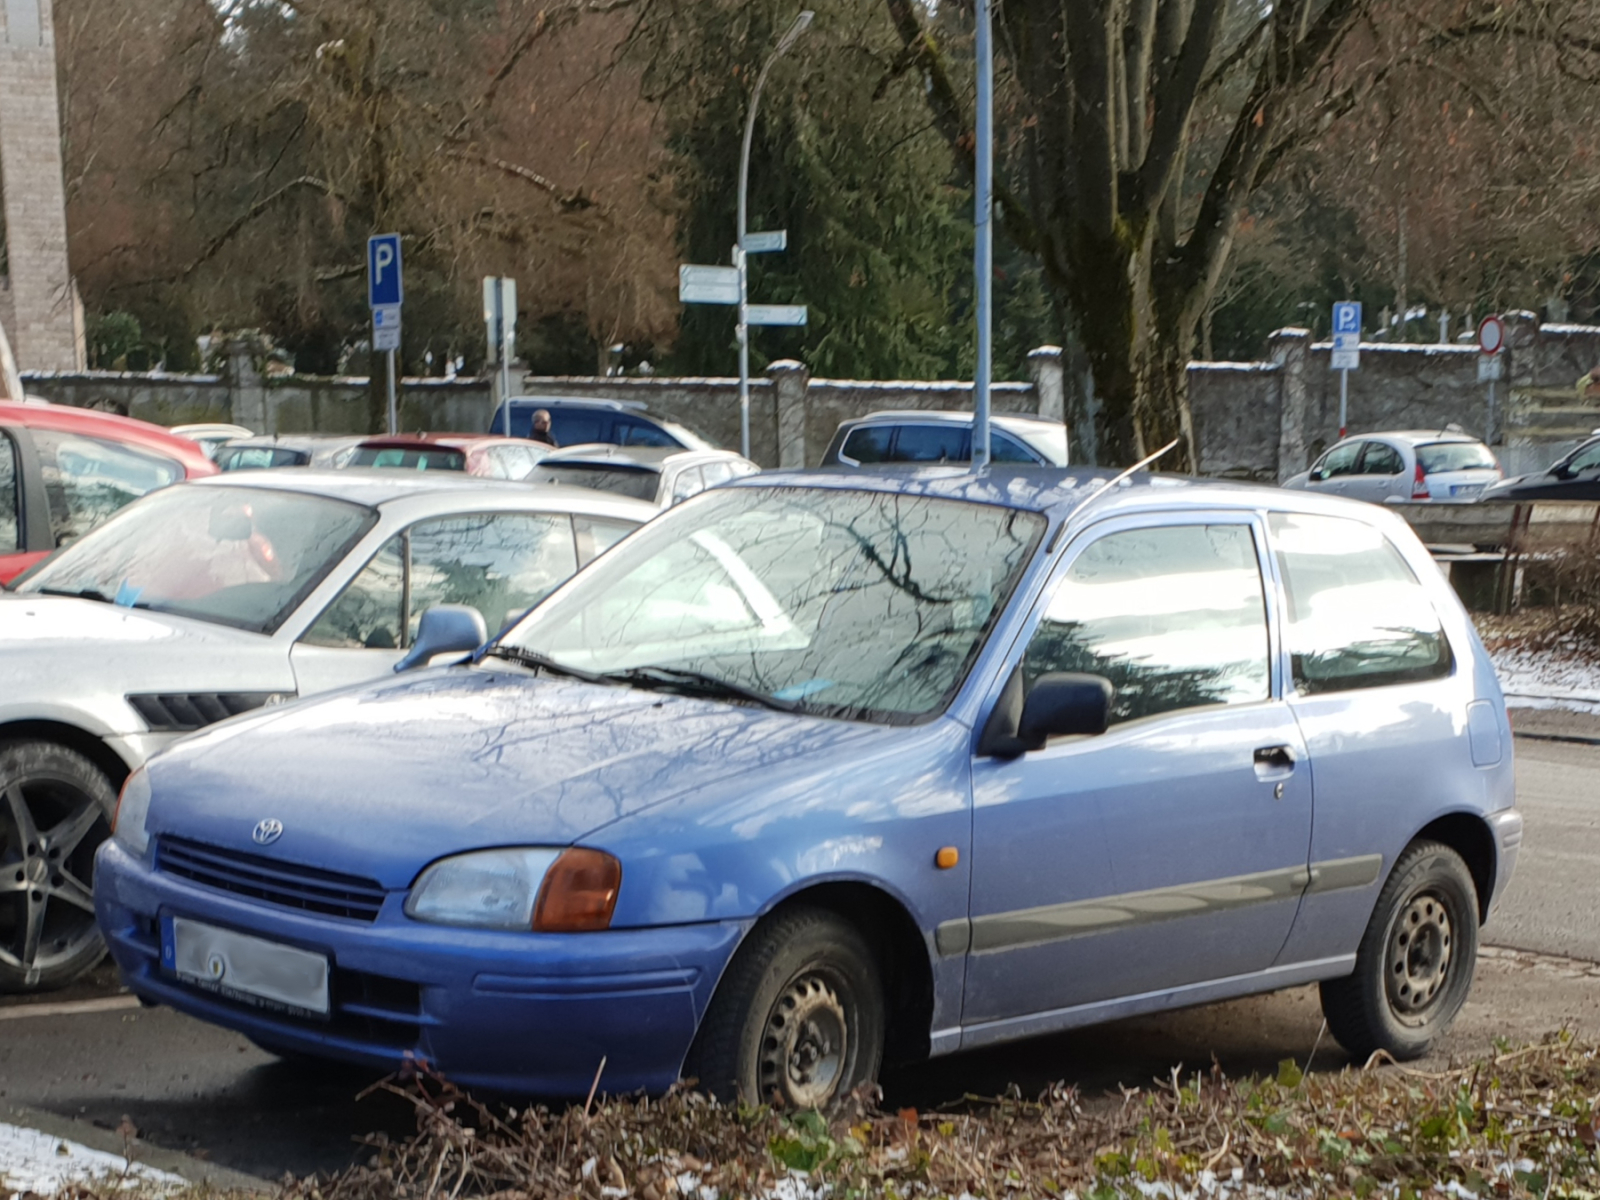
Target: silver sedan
(210, 599)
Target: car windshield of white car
(243, 557)
(1455, 456)
(857, 604)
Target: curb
(195, 1170)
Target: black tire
(55, 810)
(798, 1018)
(1415, 964)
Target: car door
(1379, 473)
(1333, 470)
(502, 564)
(1171, 849)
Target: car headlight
(551, 891)
(133, 806)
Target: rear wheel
(1415, 963)
(55, 810)
(798, 1019)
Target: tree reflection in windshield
(848, 603)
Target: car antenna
(1112, 482)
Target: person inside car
(541, 428)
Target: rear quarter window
(1358, 616)
(1455, 456)
(869, 444)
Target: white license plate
(1465, 489)
(241, 967)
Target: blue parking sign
(383, 271)
(1347, 317)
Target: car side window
(10, 508)
(868, 444)
(1003, 448)
(931, 443)
(1358, 617)
(690, 482)
(578, 428)
(501, 564)
(1341, 460)
(638, 433)
(87, 479)
(1174, 616)
(1382, 459)
(596, 535)
(370, 612)
(1585, 460)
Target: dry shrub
(1518, 1124)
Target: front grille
(184, 712)
(288, 885)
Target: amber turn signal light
(947, 857)
(579, 892)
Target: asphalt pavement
(90, 1058)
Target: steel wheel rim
(806, 1044)
(49, 831)
(1420, 952)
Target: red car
(65, 470)
(474, 453)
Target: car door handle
(1271, 759)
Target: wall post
(1049, 375)
(1291, 350)
(791, 382)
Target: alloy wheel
(49, 831)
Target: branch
(575, 201)
(1175, 102)
(251, 213)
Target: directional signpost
(730, 285)
(385, 294)
(1346, 353)
(1491, 341)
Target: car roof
(1058, 493)
(297, 441)
(633, 406)
(376, 487)
(634, 456)
(1417, 436)
(939, 416)
(88, 421)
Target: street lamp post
(740, 259)
(983, 251)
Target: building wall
(41, 305)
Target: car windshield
(858, 604)
(243, 557)
(1455, 456)
(638, 482)
(411, 458)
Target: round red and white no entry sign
(1491, 335)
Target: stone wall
(1272, 419)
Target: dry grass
(1519, 1124)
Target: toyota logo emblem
(266, 832)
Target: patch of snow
(31, 1161)
(1549, 679)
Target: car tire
(55, 809)
(1415, 964)
(798, 1018)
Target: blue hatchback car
(819, 770)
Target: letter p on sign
(383, 271)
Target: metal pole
(1488, 429)
(1344, 402)
(740, 259)
(983, 220)
(394, 405)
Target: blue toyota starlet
(817, 771)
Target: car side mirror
(445, 629)
(1058, 704)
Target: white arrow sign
(766, 243)
(775, 314)
(708, 285)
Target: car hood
(59, 649)
(379, 781)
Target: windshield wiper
(541, 662)
(696, 683)
(81, 594)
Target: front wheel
(55, 810)
(798, 1019)
(1415, 963)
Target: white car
(1411, 465)
(211, 599)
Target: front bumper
(532, 1014)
